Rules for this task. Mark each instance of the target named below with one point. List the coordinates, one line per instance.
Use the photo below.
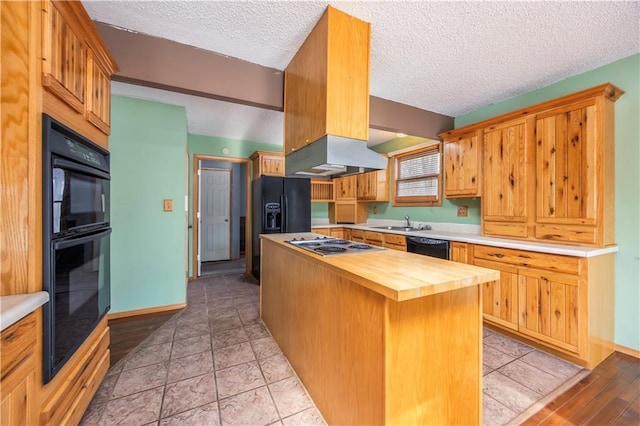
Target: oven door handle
(59, 245)
(70, 165)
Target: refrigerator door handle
(285, 214)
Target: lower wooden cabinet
(564, 303)
(348, 212)
(395, 242)
(18, 364)
(459, 252)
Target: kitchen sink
(396, 228)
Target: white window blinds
(418, 175)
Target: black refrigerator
(278, 205)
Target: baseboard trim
(628, 351)
(146, 311)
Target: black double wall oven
(76, 231)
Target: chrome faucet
(408, 219)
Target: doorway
(219, 215)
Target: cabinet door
(99, 99)
(459, 252)
(504, 203)
(374, 238)
(65, 59)
(345, 187)
(566, 170)
(321, 231)
(549, 307)
(337, 232)
(357, 235)
(272, 165)
(373, 186)
(500, 298)
(462, 159)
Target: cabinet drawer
(567, 233)
(398, 242)
(375, 238)
(18, 343)
(549, 262)
(504, 229)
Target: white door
(215, 215)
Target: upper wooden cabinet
(326, 85)
(574, 170)
(267, 163)
(345, 188)
(373, 186)
(76, 69)
(462, 164)
(504, 203)
(547, 170)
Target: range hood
(332, 156)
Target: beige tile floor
(215, 363)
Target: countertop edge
(15, 307)
(397, 295)
(561, 249)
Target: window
(417, 177)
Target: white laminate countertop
(14, 308)
(464, 237)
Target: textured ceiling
(448, 57)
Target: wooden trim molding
(146, 311)
(628, 351)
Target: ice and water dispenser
(272, 217)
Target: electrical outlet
(462, 211)
(168, 205)
(375, 209)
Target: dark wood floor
(127, 333)
(610, 395)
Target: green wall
(625, 74)
(147, 144)
(210, 145)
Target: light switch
(168, 205)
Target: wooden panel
(321, 191)
(597, 325)
(552, 262)
(421, 385)
(329, 328)
(462, 162)
(347, 75)
(327, 82)
(20, 146)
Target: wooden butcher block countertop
(395, 274)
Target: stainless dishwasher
(428, 247)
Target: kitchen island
(382, 337)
